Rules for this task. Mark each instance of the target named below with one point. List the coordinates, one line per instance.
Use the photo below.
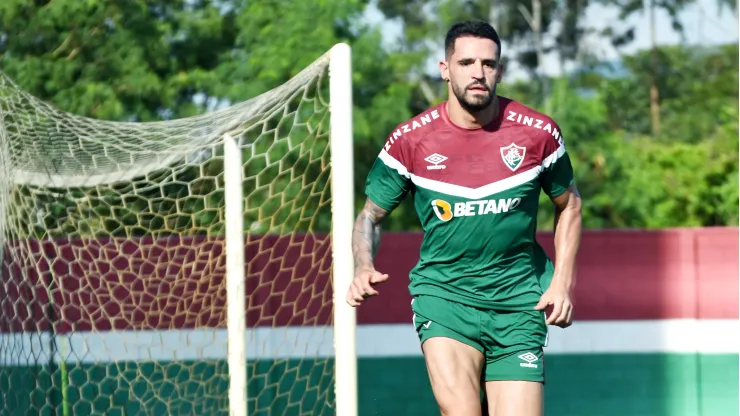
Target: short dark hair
(477, 28)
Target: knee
(457, 396)
(467, 408)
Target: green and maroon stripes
(656, 329)
(178, 284)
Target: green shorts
(511, 341)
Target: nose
(478, 71)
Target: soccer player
(475, 166)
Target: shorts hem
(513, 378)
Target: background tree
(629, 8)
(151, 60)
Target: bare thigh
(454, 372)
(515, 398)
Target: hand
(562, 308)
(362, 285)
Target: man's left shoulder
(540, 126)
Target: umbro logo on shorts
(528, 359)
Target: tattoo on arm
(366, 234)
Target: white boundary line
(373, 341)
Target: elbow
(576, 210)
(572, 209)
(577, 205)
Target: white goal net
(114, 282)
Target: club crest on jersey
(513, 155)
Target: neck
(472, 120)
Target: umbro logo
(435, 159)
(528, 359)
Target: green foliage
(696, 85)
(641, 183)
(134, 60)
(630, 180)
(158, 59)
(150, 60)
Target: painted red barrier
(622, 274)
(177, 283)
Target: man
(475, 166)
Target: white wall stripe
(373, 341)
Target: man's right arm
(365, 243)
(366, 234)
(387, 183)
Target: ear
(444, 70)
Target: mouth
(478, 88)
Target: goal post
(342, 223)
(235, 294)
(187, 266)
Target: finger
(367, 288)
(369, 293)
(542, 304)
(357, 294)
(378, 277)
(569, 316)
(560, 321)
(358, 290)
(350, 294)
(563, 318)
(556, 309)
(351, 298)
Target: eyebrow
(491, 62)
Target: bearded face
(475, 96)
(473, 71)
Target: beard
(476, 102)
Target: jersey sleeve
(389, 179)
(557, 173)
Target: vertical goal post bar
(235, 278)
(342, 208)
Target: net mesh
(112, 294)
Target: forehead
(474, 47)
